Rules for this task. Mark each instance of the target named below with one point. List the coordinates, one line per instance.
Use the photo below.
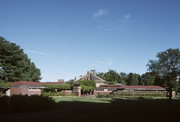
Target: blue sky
(65, 38)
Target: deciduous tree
(167, 66)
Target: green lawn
(99, 100)
(91, 109)
(82, 99)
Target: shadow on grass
(24, 103)
(119, 110)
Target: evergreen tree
(130, 79)
(133, 79)
(112, 77)
(123, 78)
(15, 64)
(101, 75)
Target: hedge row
(59, 86)
(119, 95)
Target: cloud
(127, 16)
(106, 62)
(123, 22)
(117, 25)
(36, 52)
(99, 13)
(103, 64)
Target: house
(103, 89)
(91, 75)
(28, 87)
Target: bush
(50, 94)
(59, 86)
(5, 84)
(152, 94)
(87, 85)
(124, 94)
(20, 103)
(53, 93)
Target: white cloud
(123, 22)
(117, 25)
(99, 13)
(106, 62)
(127, 16)
(36, 52)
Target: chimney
(93, 72)
(60, 80)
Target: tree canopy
(111, 77)
(148, 79)
(15, 64)
(167, 66)
(133, 79)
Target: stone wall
(102, 92)
(67, 92)
(24, 91)
(18, 91)
(34, 92)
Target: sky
(66, 38)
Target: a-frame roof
(91, 75)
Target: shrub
(5, 84)
(124, 94)
(87, 85)
(50, 94)
(59, 86)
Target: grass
(94, 99)
(72, 109)
(21, 103)
(86, 99)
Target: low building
(104, 89)
(35, 88)
(28, 87)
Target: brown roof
(90, 75)
(43, 83)
(30, 83)
(145, 87)
(112, 86)
(131, 87)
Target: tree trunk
(170, 94)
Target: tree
(148, 78)
(133, 79)
(101, 75)
(15, 64)
(111, 77)
(123, 78)
(167, 66)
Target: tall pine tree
(15, 64)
